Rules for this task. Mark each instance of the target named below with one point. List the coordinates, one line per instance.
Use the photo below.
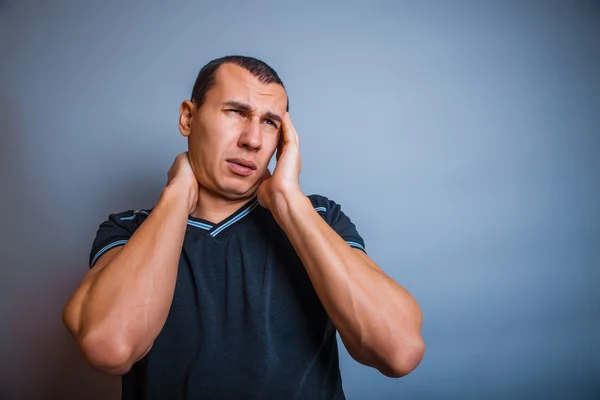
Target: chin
(238, 190)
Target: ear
(187, 111)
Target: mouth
(241, 166)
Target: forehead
(234, 83)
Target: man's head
(233, 124)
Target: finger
(294, 132)
(289, 133)
(279, 147)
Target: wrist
(284, 204)
(178, 196)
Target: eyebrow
(247, 108)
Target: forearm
(377, 319)
(127, 302)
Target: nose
(251, 137)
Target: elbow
(109, 356)
(404, 360)
(99, 350)
(69, 319)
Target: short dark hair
(207, 76)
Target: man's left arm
(378, 320)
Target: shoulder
(328, 208)
(116, 230)
(128, 220)
(332, 213)
(319, 200)
(130, 215)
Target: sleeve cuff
(357, 246)
(105, 249)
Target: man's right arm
(122, 303)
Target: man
(233, 286)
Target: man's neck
(215, 208)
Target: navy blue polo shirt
(245, 321)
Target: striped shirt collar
(214, 229)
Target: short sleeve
(115, 231)
(338, 221)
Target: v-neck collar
(215, 229)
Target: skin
(122, 303)
(221, 130)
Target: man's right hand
(181, 177)
(122, 303)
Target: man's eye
(268, 121)
(239, 112)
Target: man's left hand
(285, 180)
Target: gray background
(462, 140)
